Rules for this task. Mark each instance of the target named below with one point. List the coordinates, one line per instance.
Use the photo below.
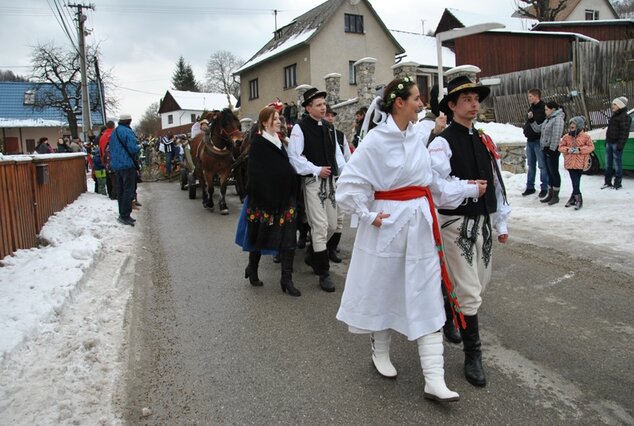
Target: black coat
(618, 128)
(272, 189)
(539, 115)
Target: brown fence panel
(26, 204)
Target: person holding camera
(576, 147)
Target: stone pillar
(364, 69)
(333, 87)
(246, 124)
(301, 89)
(405, 69)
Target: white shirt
(299, 162)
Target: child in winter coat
(576, 146)
(98, 172)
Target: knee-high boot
(430, 350)
(251, 271)
(449, 329)
(331, 246)
(473, 370)
(286, 281)
(381, 353)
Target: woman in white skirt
(394, 278)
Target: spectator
(359, 116)
(104, 154)
(615, 140)
(62, 146)
(576, 147)
(43, 146)
(534, 155)
(123, 150)
(552, 129)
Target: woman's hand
(378, 220)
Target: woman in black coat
(270, 212)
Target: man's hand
(503, 238)
(378, 220)
(325, 172)
(441, 123)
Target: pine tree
(183, 77)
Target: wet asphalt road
(205, 347)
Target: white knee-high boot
(381, 353)
(430, 350)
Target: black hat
(329, 110)
(463, 79)
(311, 94)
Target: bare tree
(624, 8)
(219, 77)
(542, 10)
(60, 68)
(150, 122)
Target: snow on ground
(62, 305)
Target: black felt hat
(311, 94)
(463, 79)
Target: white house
(179, 109)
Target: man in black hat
(460, 151)
(316, 157)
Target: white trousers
(322, 215)
(468, 258)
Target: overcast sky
(141, 40)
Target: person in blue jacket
(123, 152)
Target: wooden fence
(27, 202)
(585, 86)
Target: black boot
(331, 246)
(472, 354)
(322, 268)
(309, 258)
(555, 198)
(449, 329)
(617, 183)
(286, 281)
(251, 272)
(548, 196)
(571, 201)
(578, 201)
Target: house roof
(421, 49)
(578, 36)
(468, 19)
(598, 22)
(14, 113)
(567, 11)
(302, 30)
(197, 101)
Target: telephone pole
(86, 126)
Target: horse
(213, 153)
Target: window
(352, 73)
(170, 119)
(193, 118)
(592, 15)
(290, 76)
(354, 23)
(29, 97)
(254, 89)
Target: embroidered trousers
(468, 242)
(321, 210)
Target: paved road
(207, 348)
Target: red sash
(412, 192)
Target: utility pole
(86, 127)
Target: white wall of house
(178, 118)
(579, 14)
(351, 47)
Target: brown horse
(213, 154)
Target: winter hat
(124, 117)
(620, 102)
(579, 121)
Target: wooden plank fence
(26, 205)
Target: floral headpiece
(397, 91)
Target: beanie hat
(620, 102)
(579, 121)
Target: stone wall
(513, 157)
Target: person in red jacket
(110, 176)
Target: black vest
(470, 160)
(319, 146)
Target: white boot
(430, 350)
(381, 353)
